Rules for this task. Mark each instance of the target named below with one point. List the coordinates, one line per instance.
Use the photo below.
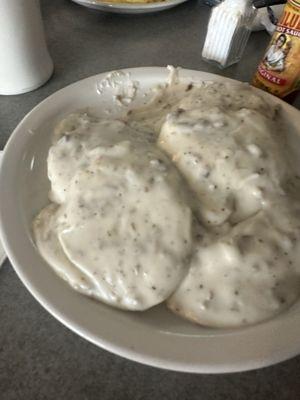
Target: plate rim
(129, 353)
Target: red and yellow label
(279, 70)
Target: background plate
(125, 8)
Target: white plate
(156, 337)
(125, 8)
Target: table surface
(39, 357)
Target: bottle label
(279, 70)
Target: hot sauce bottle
(279, 70)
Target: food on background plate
(189, 199)
(130, 1)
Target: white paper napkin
(2, 253)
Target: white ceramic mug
(25, 63)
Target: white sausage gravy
(190, 199)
